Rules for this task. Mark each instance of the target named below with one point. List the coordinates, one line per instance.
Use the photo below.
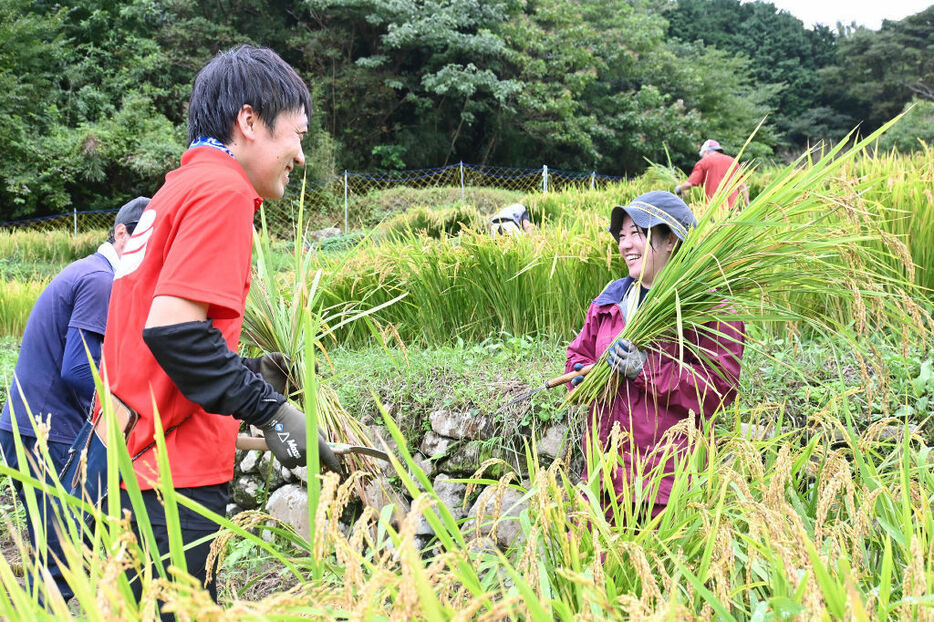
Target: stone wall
(454, 448)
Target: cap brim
(641, 218)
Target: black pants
(193, 527)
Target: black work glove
(625, 358)
(576, 380)
(285, 435)
(276, 369)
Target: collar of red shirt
(216, 157)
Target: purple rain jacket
(664, 393)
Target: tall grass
(17, 299)
(902, 201)
(28, 261)
(284, 313)
(818, 523)
(60, 247)
(472, 285)
(433, 221)
(375, 207)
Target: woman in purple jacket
(663, 383)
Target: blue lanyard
(207, 141)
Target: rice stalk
(284, 314)
(17, 298)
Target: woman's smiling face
(644, 260)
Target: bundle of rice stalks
(667, 175)
(793, 245)
(284, 313)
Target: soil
(8, 546)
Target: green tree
(878, 73)
(30, 60)
(784, 56)
(98, 137)
(719, 88)
(420, 77)
(914, 130)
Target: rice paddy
(809, 498)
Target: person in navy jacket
(53, 379)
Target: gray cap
(655, 208)
(130, 213)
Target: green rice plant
(550, 208)
(57, 247)
(434, 222)
(103, 555)
(375, 207)
(665, 175)
(753, 528)
(792, 246)
(284, 313)
(900, 201)
(472, 285)
(815, 523)
(16, 302)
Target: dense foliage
(96, 90)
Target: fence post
(76, 221)
(545, 178)
(345, 202)
(593, 176)
(463, 200)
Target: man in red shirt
(179, 294)
(711, 171)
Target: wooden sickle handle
(244, 441)
(568, 376)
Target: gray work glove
(625, 358)
(576, 380)
(678, 190)
(276, 369)
(285, 435)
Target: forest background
(95, 92)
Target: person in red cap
(711, 171)
(662, 383)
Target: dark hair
(659, 232)
(243, 75)
(130, 227)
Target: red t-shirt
(194, 241)
(710, 171)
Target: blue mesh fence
(345, 196)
